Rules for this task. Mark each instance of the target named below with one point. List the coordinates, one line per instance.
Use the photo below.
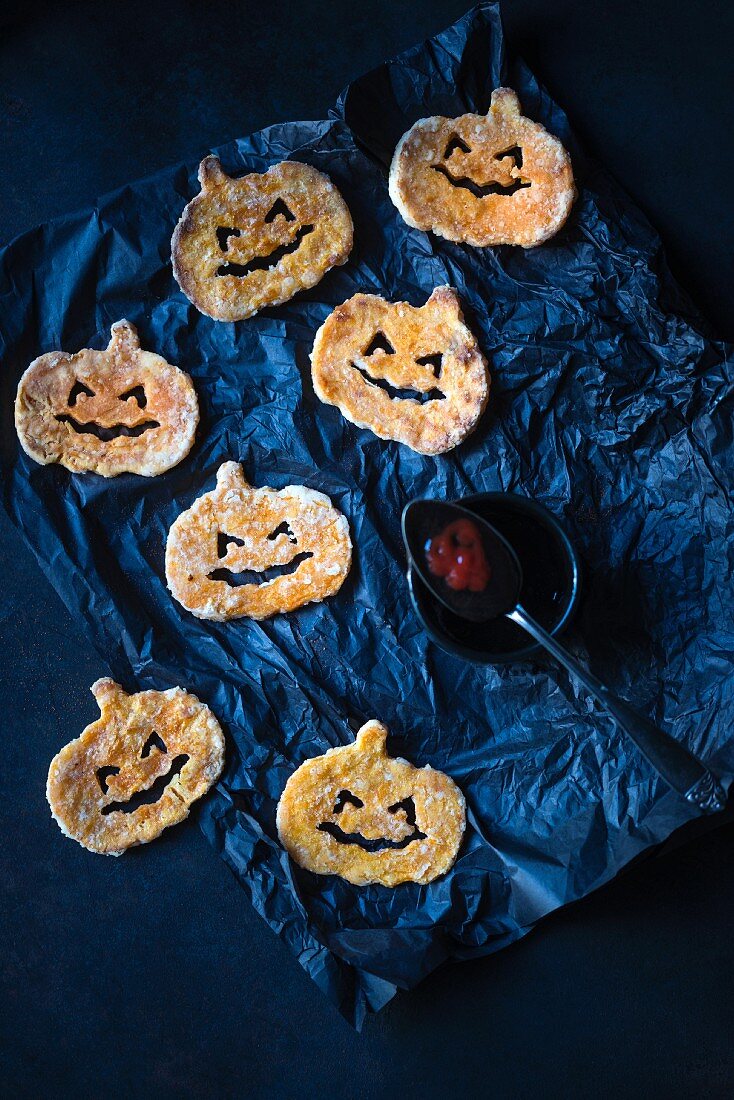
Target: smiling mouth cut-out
(395, 392)
(152, 794)
(481, 190)
(380, 844)
(253, 576)
(106, 434)
(265, 263)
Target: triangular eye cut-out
(103, 775)
(346, 796)
(283, 529)
(153, 742)
(138, 393)
(223, 542)
(515, 153)
(224, 232)
(455, 143)
(76, 391)
(279, 207)
(407, 805)
(379, 342)
(434, 361)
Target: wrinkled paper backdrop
(609, 405)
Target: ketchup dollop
(457, 555)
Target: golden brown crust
(164, 743)
(291, 206)
(55, 424)
(236, 528)
(483, 151)
(457, 388)
(414, 817)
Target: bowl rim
(530, 651)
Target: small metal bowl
(550, 591)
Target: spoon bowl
(426, 523)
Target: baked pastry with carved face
(239, 551)
(121, 410)
(243, 244)
(413, 374)
(369, 817)
(485, 180)
(136, 770)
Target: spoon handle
(679, 768)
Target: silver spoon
(425, 520)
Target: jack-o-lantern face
(136, 770)
(121, 410)
(487, 179)
(243, 244)
(243, 551)
(369, 817)
(411, 374)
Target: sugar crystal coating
(491, 179)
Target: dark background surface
(151, 975)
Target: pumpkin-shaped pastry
(243, 551)
(121, 410)
(369, 817)
(136, 770)
(487, 179)
(243, 244)
(414, 374)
